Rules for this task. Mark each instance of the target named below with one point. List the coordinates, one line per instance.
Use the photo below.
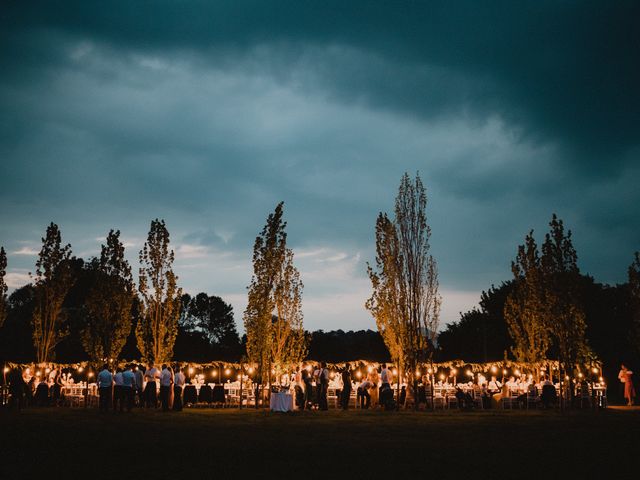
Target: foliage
(3, 286)
(53, 280)
(108, 305)
(545, 309)
(340, 346)
(526, 309)
(206, 329)
(158, 324)
(481, 334)
(275, 289)
(405, 301)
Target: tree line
(547, 310)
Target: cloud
(17, 278)
(26, 251)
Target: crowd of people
(121, 389)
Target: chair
(190, 395)
(218, 395)
(205, 395)
(476, 394)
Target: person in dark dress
(323, 378)
(17, 388)
(308, 389)
(346, 388)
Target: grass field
(203, 444)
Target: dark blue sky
(207, 114)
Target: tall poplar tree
(634, 286)
(158, 325)
(405, 301)
(108, 305)
(273, 317)
(526, 309)
(53, 279)
(3, 286)
(567, 323)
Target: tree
(3, 286)
(158, 325)
(53, 280)
(526, 310)
(212, 317)
(634, 286)
(481, 334)
(562, 283)
(108, 304)
(405, 301)
(288, 339)
(275, 289)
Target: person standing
(324, 385)
(165, 387)
(105, 385)
(117, 390)
(622, 378)
(178, 387)
(374, 378)
(345, 396)
(629, 391)
(308, 389)
(17, 387)
(128, 387)
(138, 373)
(151, 389)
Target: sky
(207, 114)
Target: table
(281, 402)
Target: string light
(80, 369)
(214, 374)
(594, 370)
(417, 373)
(358, 374)
(190, 370)
(6, 369)
(494, 369)
(395, 371)
(469, 373)
(250, 369)
(369, 369)
(441, 376)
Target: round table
(281, 402)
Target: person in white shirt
(105, 383)
(178, 386)
(385, 377)
(494, 385)
(150, 390)
(166, 383)
(363, 394)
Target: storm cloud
(209, 113)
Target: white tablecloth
(281, 402)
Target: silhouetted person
(323, 379)
(177, 389)
(346, 388)
(17, 388)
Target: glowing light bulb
(38, 373)
(358, 374)
(250, 369)
(469, 373)
(227, 371)
(517, 373)
(6, 369)
(90, 375)
(369, 369)
(453, 371)
(80, 369)
(504, 371)
(494, 369)
(441, 376)
(190, 370)
(214, 374)
(594, 370)
(395, 371)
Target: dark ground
(203, 443)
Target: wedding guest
(17, 387)
(385, 377)
(629, 391)
(178, 386)
(308, 389)
(494, 386)
(173, 381)
(165, 387)
(548, 394)
(138, 374)
(363, 395)
(622, 379)
(346, 389)
(324, 385)
(128, 387)
(105, 384)
(118, 383)
(151, 389)
(374, 378)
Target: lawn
(203, 444)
